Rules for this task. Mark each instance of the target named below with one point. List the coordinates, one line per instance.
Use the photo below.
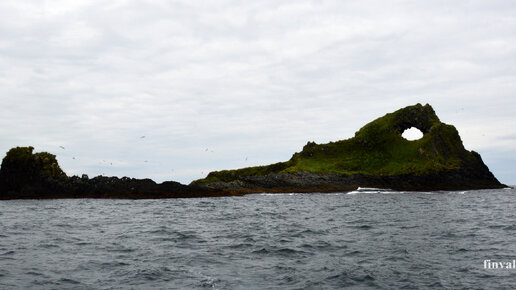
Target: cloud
(244, 79)
(508, 137)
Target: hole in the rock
(412, 134)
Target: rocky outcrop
(330, 182)
(377, 156)
(25, 175)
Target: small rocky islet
(377, 156)
(28, 175)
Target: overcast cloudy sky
(226, 84)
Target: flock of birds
(145, 161)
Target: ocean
(363, 239)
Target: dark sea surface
(366, 239)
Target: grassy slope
(376, 149)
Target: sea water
(370, 238)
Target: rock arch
(420, 117)
(412, 134)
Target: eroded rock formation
(377, 156)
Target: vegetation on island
(376, 149)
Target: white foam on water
(278, 194)
(393, 192)
(372, 190)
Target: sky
(171, 90)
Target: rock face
(23, 171)
(25, 175)
(377, 156)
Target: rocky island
(377, 156)
(28, 175)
